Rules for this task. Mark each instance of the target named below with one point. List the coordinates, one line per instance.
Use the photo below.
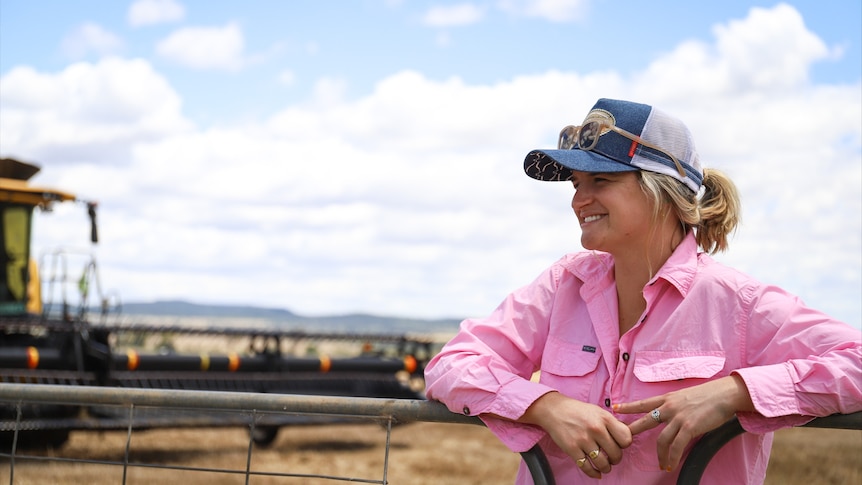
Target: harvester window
(16, 248)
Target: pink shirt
(702, 321)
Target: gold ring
(595, 453)
(581, 462)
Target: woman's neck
(634, 269)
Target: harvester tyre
(263, 436)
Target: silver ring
(656, 415)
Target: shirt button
(607, 403)
(466, 410)
(626, 356)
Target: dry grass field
(420, 454)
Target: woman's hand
(687, 414)
(593, 437)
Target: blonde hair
(713, 216)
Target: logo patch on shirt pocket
(570, 359)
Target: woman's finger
(619, 437)
(648, 421)
(663, 444)
(586, 465)
(599, 460)
(681, 439)
(671, 444)
(642, 406)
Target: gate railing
(703, 451)
(388, 411)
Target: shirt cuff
(511, 402)
(513, 398)
(771, 388)
(758, 424)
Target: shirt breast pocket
(660, 372)
(675, 369)
(570, 367)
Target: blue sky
(331, 157)
(364, 41)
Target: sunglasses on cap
(586, 137)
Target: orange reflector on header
(134, 360)
(32, 357)
(325, 363)
(410, 364)
(233, 362)
(205, 362)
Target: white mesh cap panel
(672, 136)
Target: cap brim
(558, 164)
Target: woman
(644, 343)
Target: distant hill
(181, 308)
(356, 322)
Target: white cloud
(88, 111)
(769, 50)
(87, 38)
(775, 38)
(453, 15)
(412, 200)
(148, 12)
(550, 10)
(205, 47)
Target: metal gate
(256, 408)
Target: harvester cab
(20, 288)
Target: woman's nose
(580, 198)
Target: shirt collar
(681, 267)
(595, 267)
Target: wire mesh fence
(137, 410)
(132, 411)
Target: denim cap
(616, 153)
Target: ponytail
(719, 211)
(714, 216)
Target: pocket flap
(658, 366)
(570, 359)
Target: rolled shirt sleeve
(486, 368)
(803, 363)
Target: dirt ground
(420, 453)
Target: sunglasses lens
(568, 138)
(589, 135)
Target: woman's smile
(612, 209)
(593, 218)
